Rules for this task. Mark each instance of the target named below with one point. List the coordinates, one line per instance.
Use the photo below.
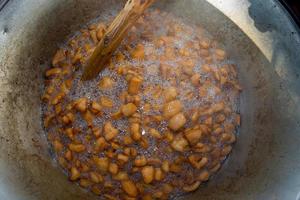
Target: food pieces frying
(157, 122)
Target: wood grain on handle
(113, 36)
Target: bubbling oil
(164, 52)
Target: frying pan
(259, 35)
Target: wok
(259, 35)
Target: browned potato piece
(208, 121)
(188, 67)
(50, 89)
(101, 163)
(220, 54)
(106, 102)
(121, 176)
(77, 56)
(81, 104)
(133, 152)
(120, 57)
(63, 163)
(46, 98)
(96, 177)
(137, 100)
(126, 151)
(96, 190)
(165, 166)
(106, 83)
(205, 129)
(122, 158)
(170, 94)
(128, 109)
(202, 91)
(134, 85)
(192, 187)
(144, 143)
(113, 168)
(127, 140)
(218, 107)
(220, 118)
(195, 116)
(70, 133)
(155, 133)
(167, 188)
(109, 131)
(197, 161)
(93, 34)
(147, 197)
(110, 153)
(172, 108)
(225, 137)
(202, 148)
(134, 120)
(58, 57)
(140, 161)
(218, 131)
(158, 174)
(215, 168)
(153, 161)
(226, 150)
(195, 79)
(100, 144)
(100, 31)
(206, 68)
(77, 147)
(88, 117)
(232, 139)
(164, 70)
(175, 168)
(48, 120)
(158, 195)
(216, 75)
(58, 146)
(148, 174)
(184, 52)
(179, 143)
(130, 188)
(205, 44)
(96, 107)
(75, 174)
(117, 115)
(237, 120)
(85, 183)
(97, 131)
(139, 52)
(169, 53)
(223, 80)
(203, 176)
(68, 155)
(168, 135)
(193, 136)
(53, 71)
(177, 121)
(228, 127)
(135, 131)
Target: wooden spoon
(113, 36)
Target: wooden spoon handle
(113, 36)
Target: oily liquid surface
(156, 123)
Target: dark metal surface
(3, 3)
(293, 6)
